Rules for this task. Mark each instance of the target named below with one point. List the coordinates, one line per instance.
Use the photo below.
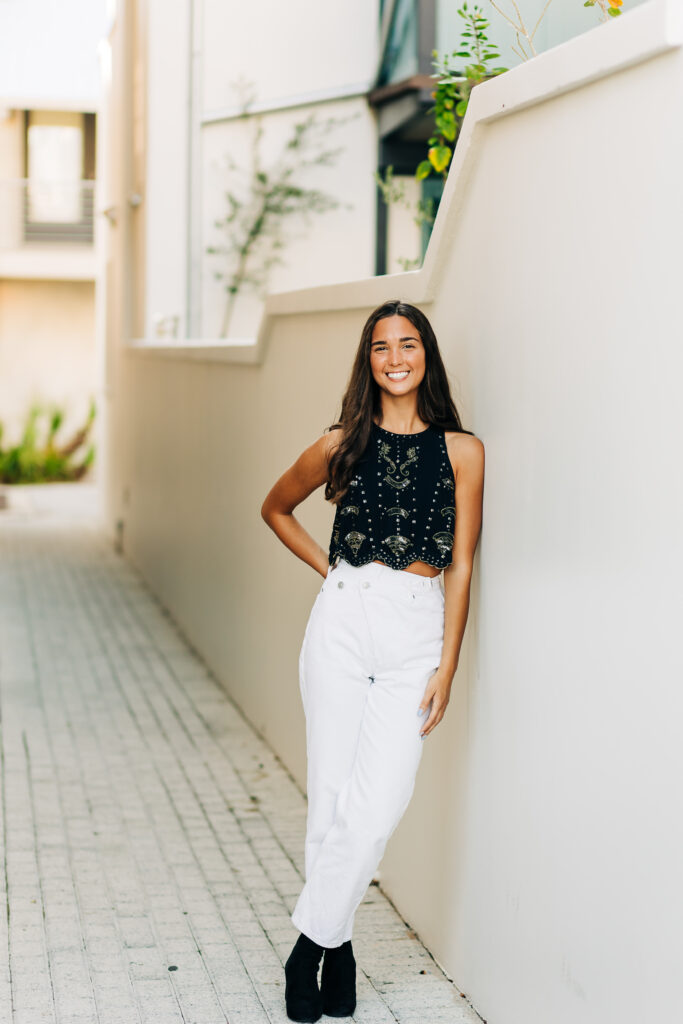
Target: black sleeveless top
(400, 504)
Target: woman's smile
(396, 341)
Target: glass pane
(400, 54)
(55, 160)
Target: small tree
(259, 209)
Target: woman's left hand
(438, 692)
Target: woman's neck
(401, 417)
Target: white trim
(641, 35)
(220, 350)
(74, 105)
(304, 99)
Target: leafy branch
(607, 10)
(525, 36)
(454, 87)
(521, 30)
(254, 225)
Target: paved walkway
(152, 844)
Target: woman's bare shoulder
(465, 451)
(330, 440)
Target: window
(59, 155)
(400, 58)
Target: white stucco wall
(540, 856)
(48, 53)
(283, 48)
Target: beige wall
(11, 144)
(47, 349)
(540, 856)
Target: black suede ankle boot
(338, 981)
(302, 995)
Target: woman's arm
(467, 458)
(301, 479)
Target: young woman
(383, 638)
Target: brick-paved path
(152, 844)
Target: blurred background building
(50, 89)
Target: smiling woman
(383, 639)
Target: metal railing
(34, 211)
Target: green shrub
(35, 461)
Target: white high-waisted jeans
(373, 640)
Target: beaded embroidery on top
(400, 504)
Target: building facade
(49, 97)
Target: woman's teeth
(398, 376)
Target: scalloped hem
(401, 566)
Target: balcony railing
(33, 212)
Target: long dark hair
(362, 402)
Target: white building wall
(192, 127)
(164, 192)
(283, 48)
(48, 53)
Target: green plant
(607, 10)
(394, 192)
(253, 226)
(453, 88)
(32, 461)
(451, 96)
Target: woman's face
(397, 355)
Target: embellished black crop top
(400, 503)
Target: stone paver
(151, 843)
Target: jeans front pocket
(425, 620)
